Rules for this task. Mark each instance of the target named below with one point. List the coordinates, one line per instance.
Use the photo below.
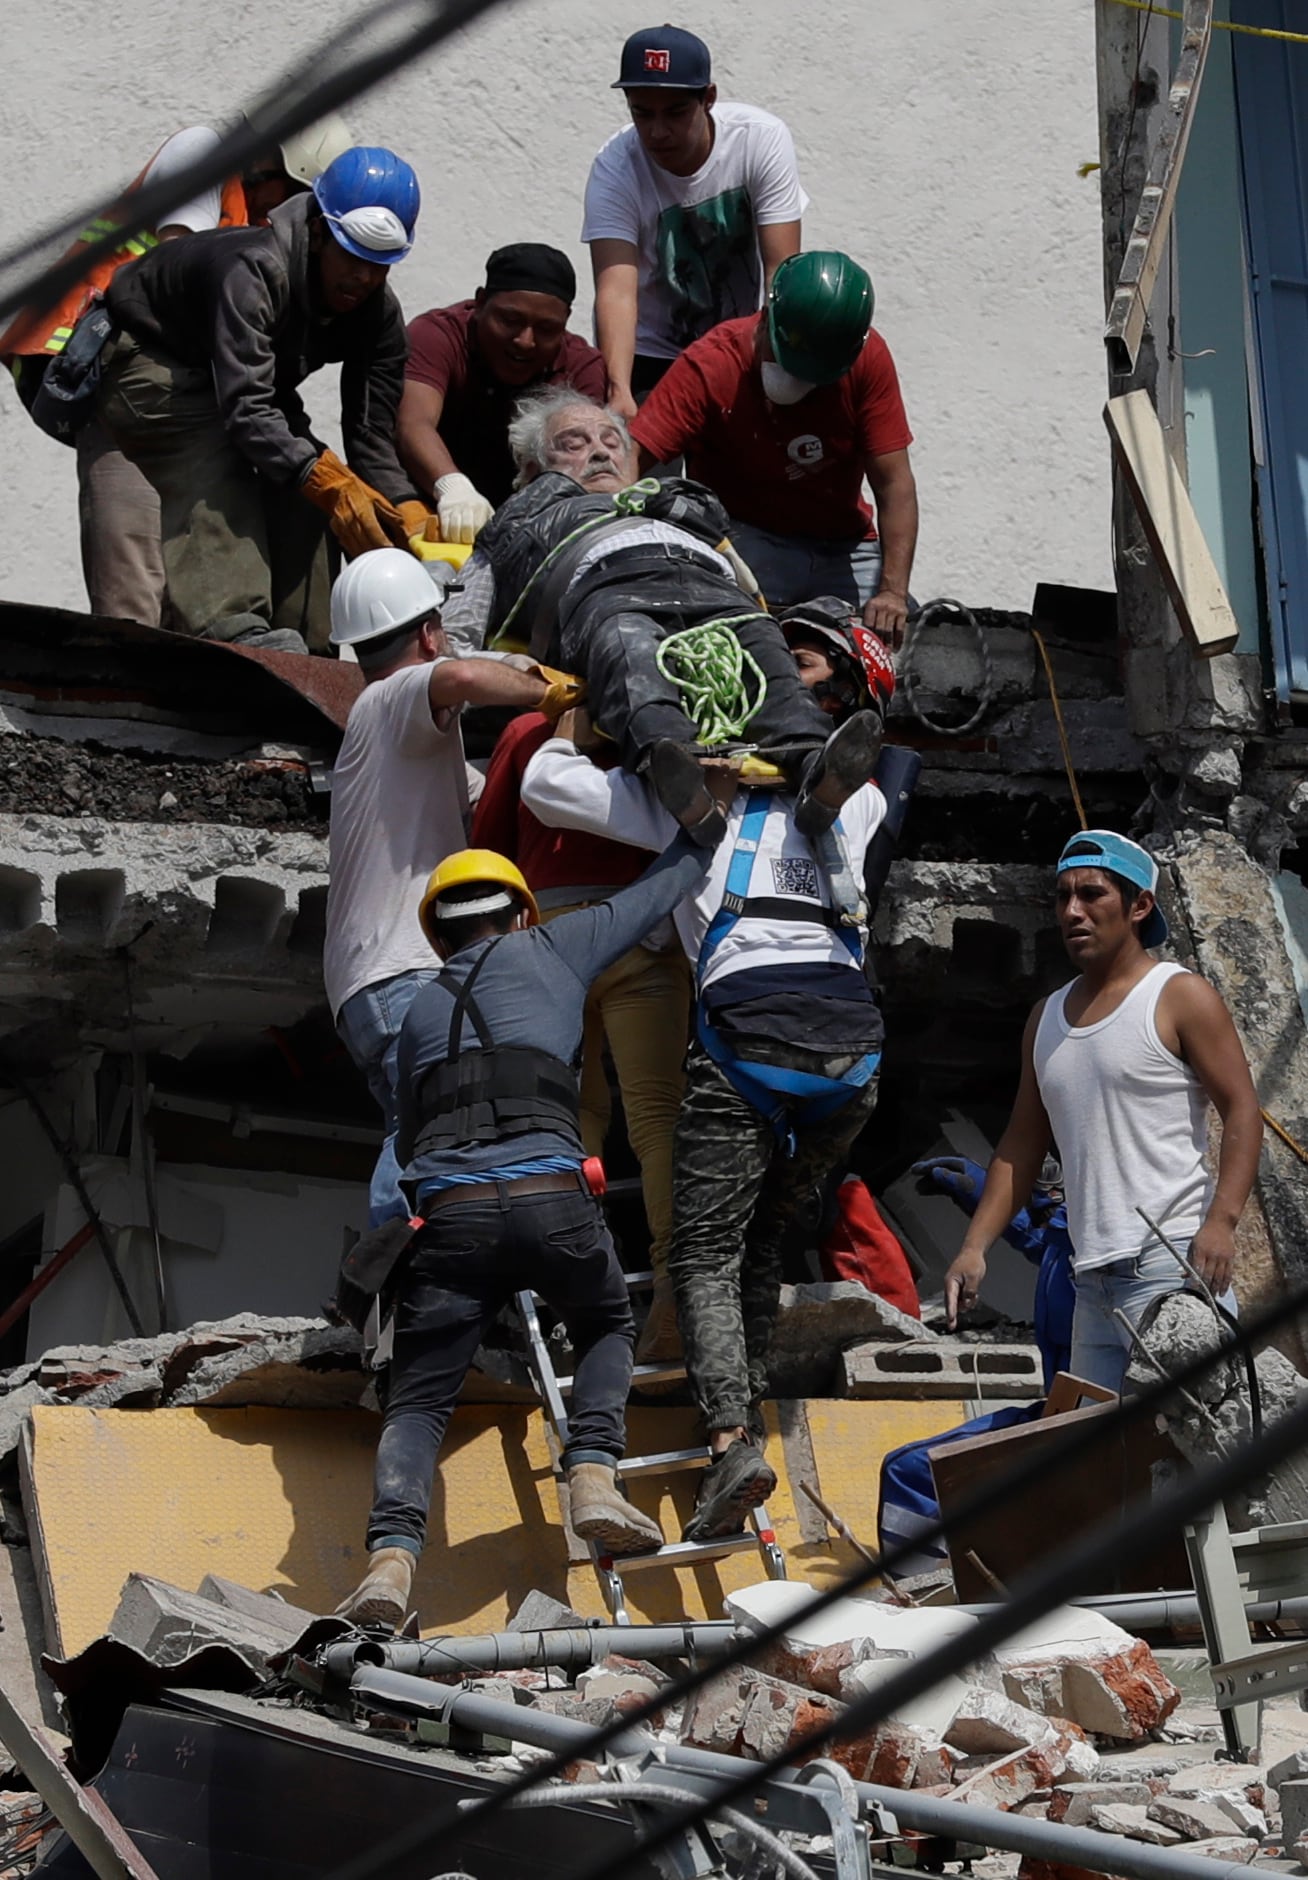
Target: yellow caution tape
(1219, 26)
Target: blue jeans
(792, 568)
(369, 1027)
(1101, 1349)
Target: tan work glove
(563, 690)
(360, 516)
(415, 518)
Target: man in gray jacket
(216, 332)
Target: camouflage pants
(736, 1198)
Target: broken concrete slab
(1075, 1803)
(1135, 1822)
(817, 1320)
(541, 1612)
(1178, 1330)
(1291, 1768)
(1224, 1847)
(1293, 1797)
(987, 1723)
(1077, 1664)
(267, 1608)
(1013, 1779)
(1245, 1779)
(166, 1625)
(1194, 1819)
(292, 1365)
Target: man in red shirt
(640, 1006)
(467, 368)
(783, 414)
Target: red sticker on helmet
(877, 662)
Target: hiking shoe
(600, 1512)
(843, 765)
(382, 1596)
(679, 784)
(732, 1487)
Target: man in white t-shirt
(689, 210)
(399, 806)
(1118, 1068)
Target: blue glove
(951, 1175)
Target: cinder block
(941, 1369)
(20, 899)
(88, 902)
(246, 914)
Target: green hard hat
(819, 312)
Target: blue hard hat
(370, 199)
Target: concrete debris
(625, 1683)
(1189, 1816)
(1224, 1847)
(594, 1712)
(52, 777)
(1179, 1329)
(1013, 1779)
(540, 1612)
(1133, 1821)
(1290, 1769)
(1293, 1797)
(1075, 1663)
(280, 1362)
(817, 1320)
(989, 1723)
(1074, 1804)
(1242, 1779)
(166, 1625)
(269, 1609)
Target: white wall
(939, 141)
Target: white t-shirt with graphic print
(697, 235)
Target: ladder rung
(689, 1553)
(666, 1463)
(641, 1374)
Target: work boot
(679, 784)
(601, 1513)
(660, 1339)
(843, 765)
(733, 1485)
(263, 639)
(382, 1596)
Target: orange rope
(1038, 637)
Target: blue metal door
(1271, 85)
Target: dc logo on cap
(656, 61)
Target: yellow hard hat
(469, 868)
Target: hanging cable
(953, 610)
(1057, 704)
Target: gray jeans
(122, 561)
(240, 553)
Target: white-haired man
(594, 574)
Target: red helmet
(864, 673)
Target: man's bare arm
(1009, 1181)
(418, 441)
(777, 241)
(456, 682)
(895, 490)
(616, 269)
(1210, 1045)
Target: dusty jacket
(246, 302)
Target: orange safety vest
(27, 335)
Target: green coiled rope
(714, 674)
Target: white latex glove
(462, 508)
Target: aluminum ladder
(554, 1390)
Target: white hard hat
(383, 590)
(307, 154)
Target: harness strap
(461, 993)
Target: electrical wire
(301, 98)
(982, 1501)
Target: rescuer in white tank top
(1118, 1069)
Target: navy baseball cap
(665, 55)
(1104, 848)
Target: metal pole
(928, 1814)
(571, 1648)
(1141, 1612)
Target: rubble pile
(288, 1363)
(53, 777)
(1216, 1414)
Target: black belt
(513, 1190)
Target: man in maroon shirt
(468, 366)
(640, 1006)
(782, 414)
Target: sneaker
(270, 640)
(736, 1483)
(843, 765)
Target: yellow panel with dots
(278, 1499)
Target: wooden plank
(1168, 519)
(1026, 1526)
